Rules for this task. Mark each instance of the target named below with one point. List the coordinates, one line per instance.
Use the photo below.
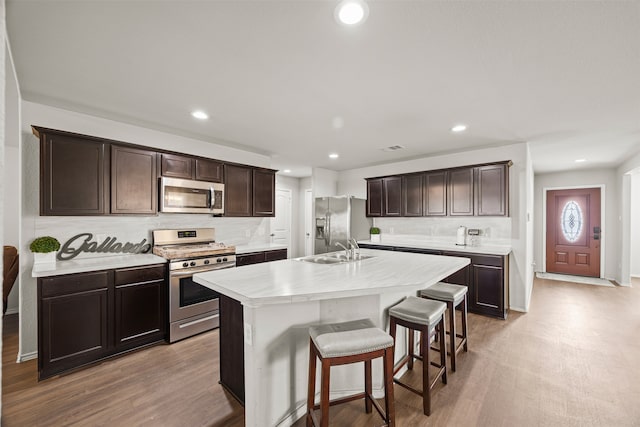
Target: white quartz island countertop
(293, 280)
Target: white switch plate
(248, 336)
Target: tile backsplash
(231, 231)
(493, 230)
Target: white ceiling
(273, 75)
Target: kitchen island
(281, 299)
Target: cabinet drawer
(275, 255)
(72, 283)
(247, 259)
(139, 274)
(495, 261)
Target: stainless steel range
(193, 308)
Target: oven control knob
(185, 264)
(218, 260)
(192, 264)
(206, 261)
(225, 259)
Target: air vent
(393, 148)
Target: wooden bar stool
(455, 296)
(344, 343)
(425, 316)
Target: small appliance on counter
(461, 237)
(193, 308)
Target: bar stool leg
(452, 334)
(324, 394)
(443, 350)
(426, 389)
(367, 386)
(312, 383)
(388, 387)
(464, 322)
(411, 349)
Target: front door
(573, 231)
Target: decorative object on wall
(109, 245)
(44, 250)
(374, 232)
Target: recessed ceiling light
(459, 128)
(580, 160)
(351, 12)
(333, 156)
(200, 115)
(287, 171)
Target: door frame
(603, 234)
(308, 222)
(290, 239)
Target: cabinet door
(392, 196)
(374, 197)
(74, 321)
(74, 176)
(264, 192)
(461, 192)
(133, 181)
(435, 194)
(492, 194)
(232, 346)
(412, 195)
(489, 290)
(175, 166)
(140, 306)
(237, 191)
(208, 170)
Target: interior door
(308, 229)
(574, 232)
(281, 223)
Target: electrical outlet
(248, 337)
(247, 233)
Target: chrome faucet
(346, 251)
(354, 246)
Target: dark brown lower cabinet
(232, 346)
(487, 277)
(86, 317)
(258, 257)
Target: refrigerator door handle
(327, 234)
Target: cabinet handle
(195, 322)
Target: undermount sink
(333, 258)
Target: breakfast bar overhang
(281, 299)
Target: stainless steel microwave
(188, 196)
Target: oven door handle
(199, 270)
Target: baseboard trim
(27, 356)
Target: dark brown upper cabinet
(479, 190)
(461, 192)
(492, 191)
(209, 170)
(134, 186)
(74, 175)
(374, 197)
(238, 181)
(435, 193)
(392, 196)
(186, 167)
(412, 195)
(264, 190)
(175, 166)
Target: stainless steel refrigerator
(338, 219)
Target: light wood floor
(573, 360)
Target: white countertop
(93, 264)
(440, 245)
(292, 280)
(258, 247)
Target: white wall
(229, 230)
(305, 184)
(635, 225)
(293, 185)
(625, 219)
(324, 182)
(3, 83)
(530, 218)
(353, 182)
(609, 198)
